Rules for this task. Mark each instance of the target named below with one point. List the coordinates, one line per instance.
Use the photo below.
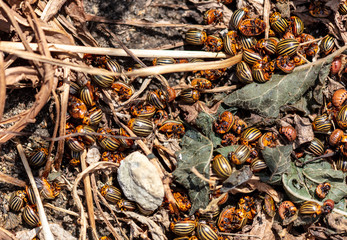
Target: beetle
(17, 200)
(213, 16)
(316, 147)
(30, 194)
(310, 208)
(341, 163)
(157, 98)
(262, 71)
(74, 144)
(93, 117)
(298, 60)
(250, 56)
(172, 128)
(267, 140)
(39, 157)
(125, 143)
(243, 72)
(87, 134)
(318, 9)
(269, 205)
(112, 156)
(339, 97)
(287, 47)
(123, 90)
(195, 37)
(296, 25)
(239, 126)
(103, 80)
(201, 83)
(322, 190)
(229, 139)
(189, 95)
(126, 205)
(142, 127)
(213, 44)
(182, 201)
(247, 42)
(142, 110)
(183, 228)
(328, 206)
(159, 117)
(341, 118)
(285, 64)
(224, 122)
(221, 166)
(30, 216)
(107, 142)
(278, 23)
(258, 164)
(113, 65)
(87, 94)
(231, 46)
(322, 123)
(77, 108)
(205, 232)
(289, 132)
(342, 8)
(46, 189)
(246, 203)
(327, 44)
(250, 135)
(266, 46)
(252, 27)
(287, 209)
(238, 16)
(336, 137)
(226, 219)
(336, 66)
(240, 155)
(163, 61)
(111, 193)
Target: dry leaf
(262, 226)
(304, 130)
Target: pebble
(140, 181)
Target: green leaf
(277, 159)
(294, 185)
(205, 122)
(196, 152)
(266, 99)
(226, 150)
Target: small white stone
(140, 181)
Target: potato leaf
(226, 150)
(205, 122)
(196, 152)
(266, 99)
(277, 159)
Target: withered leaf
(205, 122)
(277, 159)
(237, 178)
(196, 152)
(266, 99)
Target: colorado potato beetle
(278, 24)
(112, 156)
(103, 80)
(221, 166)
(229, 139)
(142, 127)
(287, 47)
(316, 147)
(142, 110)
(126, 205)
(213, 16)
(310, 208)
(322, 123)
(87, 94)
(342, 8)
(224, 122)
(266, 46)
(247, 42)
(339, 97)
(183, 228)
(289, 132)
(327, 44)
(341, 118)
(163, 61)
(157, 98)
(31, 196)
(267, 140)
(77, 108)
(39, 157)
(328, 206)
(269, 206)
(258, 164)
(252, 27)
(244, 73)
(323, 189)
(240, 155)
(341, 163)
(262, 71)
(123, 90)
(285, 64)
(172, 128)
(111, 193)
(93, 117)
(336, 66)
(74, 144)
(195, 37)
(159, 117)
(250, 135)
(239, 126)
(30, 216)
(213, 44)
(125, 143)
(86, 134)
(107, 142)
(46, 189)
(286, 210)
(182, 201)
(250, 56)
(226, 219)
(189, 95)
(336, 137)
(201, 83)
(17, 200)
(318, 9)
(230, 43)
(296, 25)
(237, 17)
(205, 232)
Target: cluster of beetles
(286, 47)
